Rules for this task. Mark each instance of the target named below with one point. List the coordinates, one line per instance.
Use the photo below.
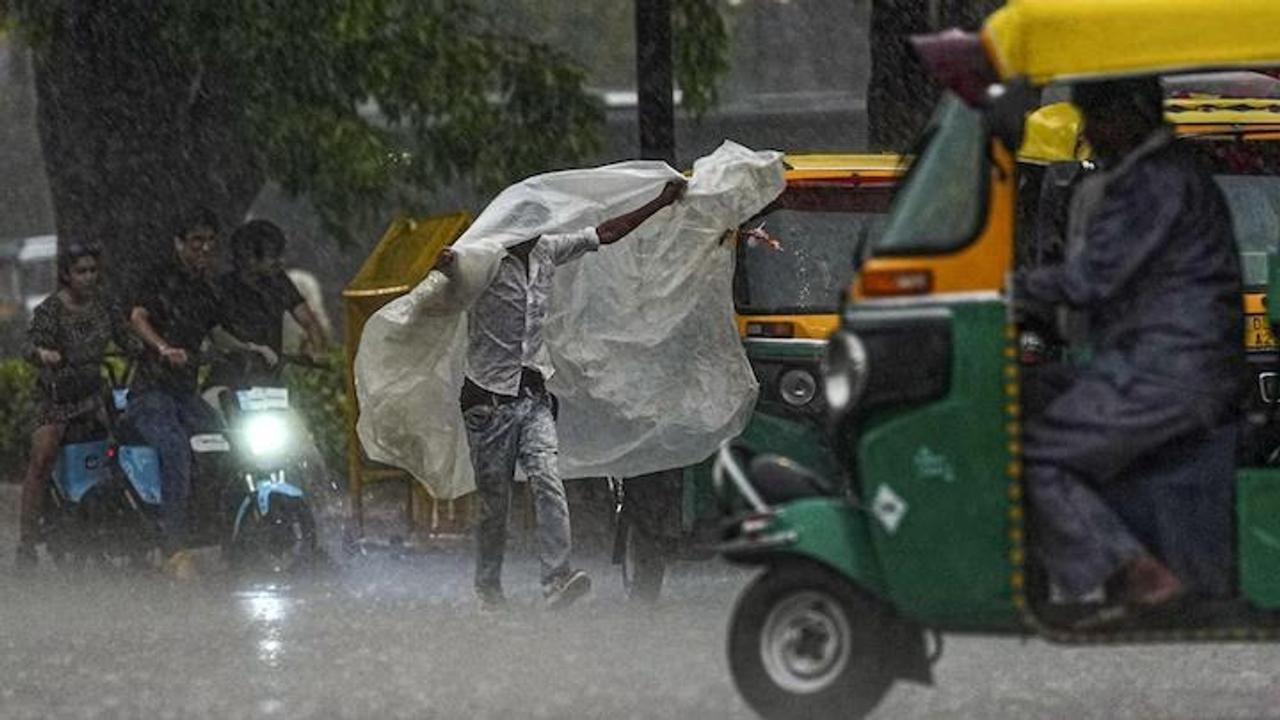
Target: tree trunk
(131, 138)
(901, 95)
(654, 83)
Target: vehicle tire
(805, 643)
(282, 541)
(644, 564)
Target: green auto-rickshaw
(925, 530)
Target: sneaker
(181, 566)
(566, 589)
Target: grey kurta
(1158, 280)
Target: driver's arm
(1130, 225)
(316, 339)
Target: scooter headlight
(845, 370)
(266, 434)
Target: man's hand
(445, 262)
(49, 357)
(316, 351)
(177, 357)
(673, 191)
(268, 355)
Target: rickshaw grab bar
(727, 464)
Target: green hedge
(17, 409)
(319, 395)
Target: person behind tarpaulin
(510, 416)
(1152, 271)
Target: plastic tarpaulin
(650, 371)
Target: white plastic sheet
(649, 368)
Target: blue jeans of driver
(166, 422)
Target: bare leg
(44, 453)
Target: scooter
(106, 490)
(270, 523)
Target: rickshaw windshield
(940, 206)
(808, 265)
(1255, 212)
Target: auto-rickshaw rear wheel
(804, 643)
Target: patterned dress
(80, 336)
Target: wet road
(401, 638)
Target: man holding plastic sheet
(1134, 459)
(508, 413)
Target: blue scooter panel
(81, 466)
(141, 464)
(266, 490)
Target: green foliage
(701, 51)
(357, 103)
(320, 396)
(18, 388)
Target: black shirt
(183, 308)
(254, 313)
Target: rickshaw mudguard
(833, 532)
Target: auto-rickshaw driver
(1149, 233)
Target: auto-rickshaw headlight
(797, 387)
(844, 371)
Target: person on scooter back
(258, 295)
(1153, 278)
(175, 310)
(69, 335)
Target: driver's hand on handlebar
(176, 357)
(49, 357)
(267, 354)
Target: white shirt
(504, 326)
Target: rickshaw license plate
(1257, 333)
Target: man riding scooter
(175, 311)
(1153, 276)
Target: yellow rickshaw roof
(1063, 40)
(818, 166)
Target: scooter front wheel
(804, 643)
(282, 540)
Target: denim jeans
(166, 422)
(523, 432)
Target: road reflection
(267, 608)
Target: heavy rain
(639, 359)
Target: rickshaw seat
(779, 480)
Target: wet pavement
(401, 638)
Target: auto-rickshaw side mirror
(1008, 105)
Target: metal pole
(655, 104)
